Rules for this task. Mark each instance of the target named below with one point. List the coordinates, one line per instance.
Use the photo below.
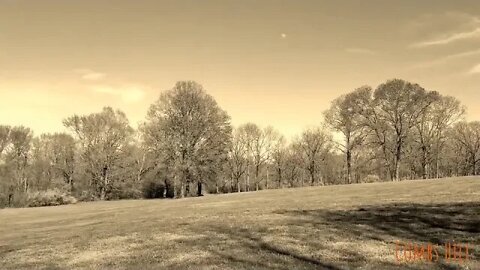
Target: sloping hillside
(333, 227)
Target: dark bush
(13, 199)
(153, 189)
(123, 190)
(170, 189)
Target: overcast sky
(274, 63)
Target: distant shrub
(87, 196)
(19, 199)
(13, 199)
(371, 178)
(50, 197)
(122, 190)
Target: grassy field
(333, 227)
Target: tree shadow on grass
(272, 256)
(421, 224)
(235, 247)
(255, 246)
(255, 252)
(434, 223)
(315, 234)
(360, 238)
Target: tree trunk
(349, 166)
(312, 172)
(257, 170)
(182, 189)
(303, 175)
(396, 171)
(247, 185)
(424, 163)
(245, 182)
(70, 182)
(475, 168)
(165, 190)
(25, 178)
(474, 164)
(279, 170)
(398, 154)
(238, 186)
(175, 183)
(388, 163)
(140, 171)
(199, 188)
(25, 181)
(102, 193)
(266, 183)
(187, 188)
(103, 187)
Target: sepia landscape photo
(239, 134)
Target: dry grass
(334, 227)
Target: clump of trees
(188, 147)
(188, 135)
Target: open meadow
(330, 227)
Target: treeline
(187, 147)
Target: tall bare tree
(104, 138)
(238, 159)
(391, 116)
(343, 116)
(447, 111)
(7, 186)
(193, 131)
(15, 154)
(260, 143)
(315, 144)
(294, 165)
(467, 134)
(4, 138)
(250, 133)
(279, 159)
(19, 154)
(54, 155)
